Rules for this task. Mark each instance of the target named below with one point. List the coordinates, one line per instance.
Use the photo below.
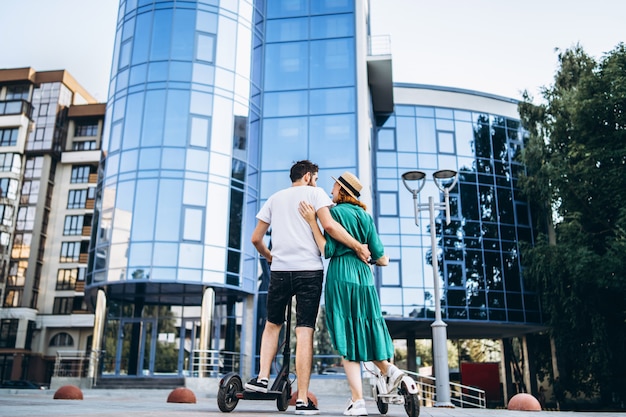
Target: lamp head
(444, 175)
(411, 176)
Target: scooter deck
(254, 395)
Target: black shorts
(305, 285)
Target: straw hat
(350, 183)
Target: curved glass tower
(170, 257)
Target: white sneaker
(394, 378)
(356, 408)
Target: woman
(353, 317)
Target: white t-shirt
(293, 246)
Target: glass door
(136, 347)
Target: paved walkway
(153, 403)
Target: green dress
(353, 317)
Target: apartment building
(50, 130)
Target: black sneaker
(257, 385)
(306, 409)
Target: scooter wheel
(411, 401)
(282, 402)
(383, 407)
(227, 394)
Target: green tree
(576, 158)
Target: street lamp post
(440, 338)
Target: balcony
(379, 76)
(10, 107)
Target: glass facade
(479, 251)
(177, 146)
(309, 91)
(179, 180)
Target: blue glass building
(210, 103)
(479, 136)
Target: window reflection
(287, 8)
(168, 218)
(480, 261)
(292, 103)
(205, 49)
(286, 66)
(144, 210)
(161, 34)
(153, 116)
(334, 63)
(282, 142)
(283, 30)
(332, 26)
(183, 33)
(332, 100)
(333, 132)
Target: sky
(501, 47)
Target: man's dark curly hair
(301, 168)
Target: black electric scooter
(231, 388)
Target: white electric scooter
(406, 394)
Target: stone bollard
(294, 397)
(524, 402)
(68, 392)
(182, 395)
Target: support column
(555, 364)
(411, 354)
(505, 372)
(248, 337)
(98, 335)
(206, 320)
(526, 366)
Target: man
(296, 269)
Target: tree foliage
(576, 180)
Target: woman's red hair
(344, 197)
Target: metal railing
(212, 363)
(460, 395)
(379, 45)
(71, 363)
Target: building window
(10, 162)
(8, 188)
(63, 305)
(26, 218)
(386, 140)
(4, 241)
(70, 252)
(43, 109)
(8, 137)
(67, 278)
(13, 297)
(62, 339)
(446, 141)
(33, 167)
(76, 199)
(87, 128)
(87, 145)
(30, 192)
(18, 92)
(40, 133)
(391, 275)
(80, 174)
(73, 225)
(6, 215)
(21, 245)
(8, 332)
(388, 204)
